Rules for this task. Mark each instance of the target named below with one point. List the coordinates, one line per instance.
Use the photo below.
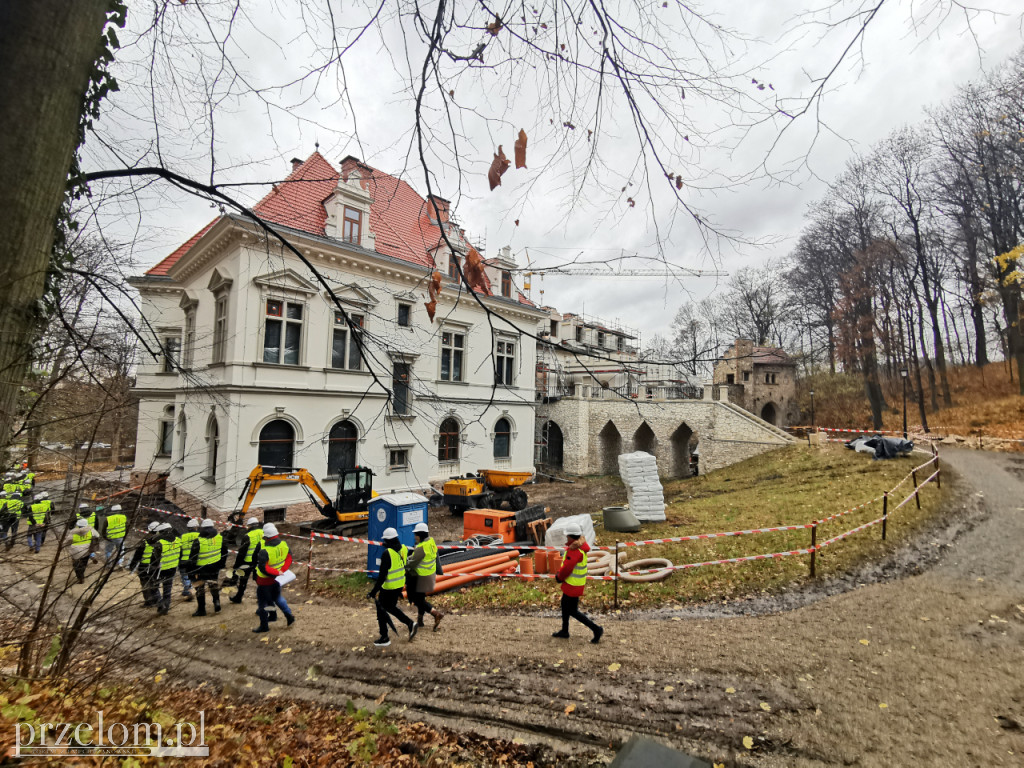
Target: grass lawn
(793, 485)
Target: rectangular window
(554, 328)
(730, 378)
(220, 329)
(504, 363)
(172, 353)
(452, 349)
(400, 387)
(579, 333)
(404, 315)
(352, 226)
(345, 352)
(506, 283)
(283, 325)
(746, 375)
(166, 438)
(398, 458)
(620, 342)
(188, 354)
(600, 339)
(767, 378)
(453, 269)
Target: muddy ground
(908, 670)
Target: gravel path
(910, 670)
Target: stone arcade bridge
(585, 435)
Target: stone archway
(610, 445)
(681, 440)
(645, 440)
(770, 414)
(553, 444)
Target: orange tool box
(489, 522)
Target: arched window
(277, 444)
(341, 447)
(448, 441)
(502, 439)
(212, 449)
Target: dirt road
(921, 670)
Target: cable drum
(664, 566)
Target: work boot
(382, 642)
(201, 607)
(437, 617)
(597, 635)
(564, 634)
(413, 629)
(236, 599)
(419, 621)
(216, 602)
(289, 618)
(261, 628)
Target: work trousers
(147, 580)
(36, 534)
(267, 597)
(79, 563)
(186, 582)
(571, 610)
(164, 586)
(113, 548)
(243, 582)
(200, 582)
(13, 528)
(387, 602)
(419, 599)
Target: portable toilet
(401, 511)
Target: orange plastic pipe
(469, 565)
(461, 579)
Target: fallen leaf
(865, 642)
(570, 709)
(614, 667)
(748, 742)
(766, 707)
(883, 706)
(495, 26)
(730, 690)
(286, 650)
(668, 689)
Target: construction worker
(422, 570)
(25, 483)
(142, 561)
(243, 560)
(186, 540)
(15, 508)
(37, 521)
(90, 517)
(166, 558)
(81, 545)
(10, 484)
(208, 553)
(390, 581)
(114, 530)
(572, 575)
(6, 518)
(272, 560)
(30, 479)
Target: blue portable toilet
(401, 511)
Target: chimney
(295, 164)
(442, 207)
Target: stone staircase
(759, 421)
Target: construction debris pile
(639, 472)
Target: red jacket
(573, 554)
(262, 559)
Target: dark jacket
(140, 548)
(243, 549)
(385, 566)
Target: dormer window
(453, 267)
(506, 283)
(352, 225)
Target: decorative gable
(354, 295)
(219, 282)
(287, 280)
(352, 194)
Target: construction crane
(604, 271)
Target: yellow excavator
(345, 515)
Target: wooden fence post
(885, 513)
(938, 469)
(917, 493)
(814, 547)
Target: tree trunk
(47, 52)
(1010, 294)
(977, 310)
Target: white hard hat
(573, 529)
(252, 521)
(116, 508)
(83, 506)
(38, 496)
(193, 523)
(421, 528)
(82, 523)
(164, 527)
(270, 530)
(207, 523)
(153, 526)
(389, 533)
(45, 495)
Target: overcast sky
(886, 82)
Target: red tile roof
(771, 356)
(399, 217)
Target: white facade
(262, 342)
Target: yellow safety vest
(255, 540)
(12, 488)
(15, 507)
(186, 540)
(428, 565)
(396, 573)
(209, 550)
(116, 526)
(276, 556)
(578, 577)
(39, 512)
(170, 554)
(81, 538)
(147, 553)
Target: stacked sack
(639, 471)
